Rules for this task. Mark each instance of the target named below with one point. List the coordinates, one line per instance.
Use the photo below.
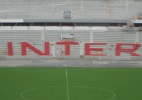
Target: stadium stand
(38, 21)
(37, 37)
(80, 9)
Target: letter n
(25, 45)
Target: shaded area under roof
(76, 20)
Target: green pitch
(70, 84)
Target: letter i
(10, 48)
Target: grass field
(70, 84)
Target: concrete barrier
(70, 63)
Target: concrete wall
(70, 64)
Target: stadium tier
(105, 43)
(70, 9)
(67, 29)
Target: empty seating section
(117, 9)
(38, 37)
(81, 9)
(135, 6)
